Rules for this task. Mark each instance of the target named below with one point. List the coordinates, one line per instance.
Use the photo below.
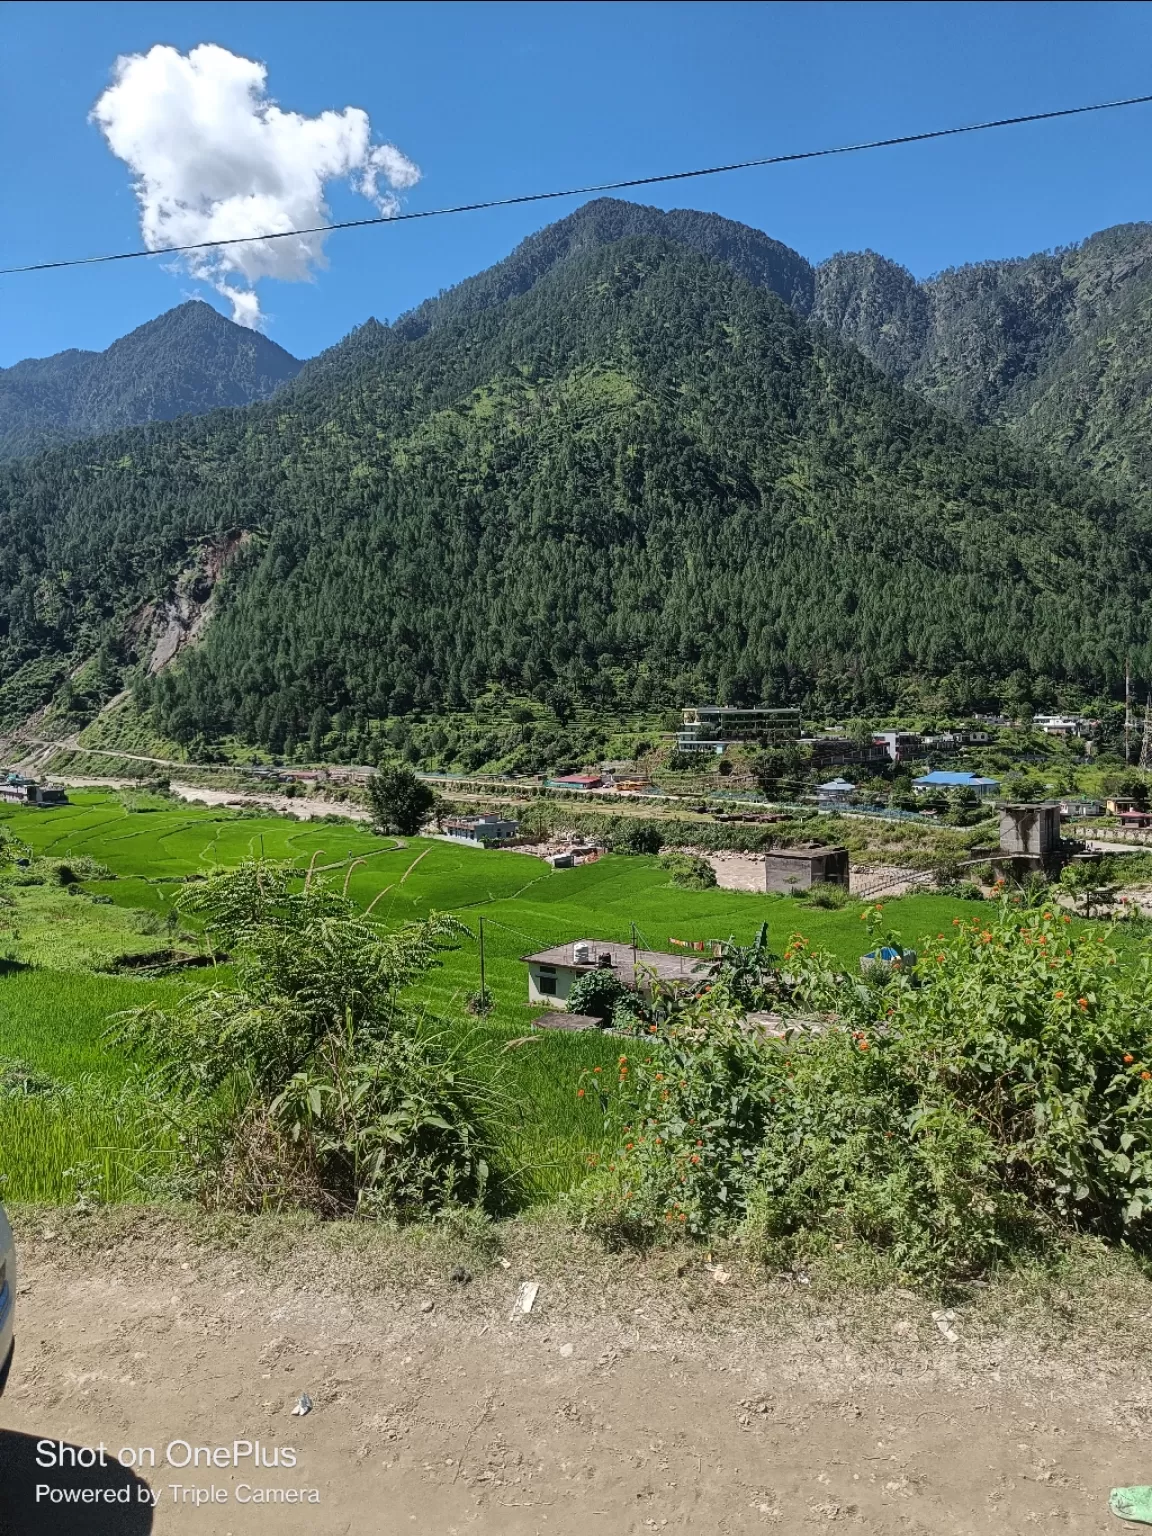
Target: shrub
(637, 837)
(953, 1119)
(688, 871)
(597, 994)
(830, 897)
(309, 1083)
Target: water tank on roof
(582, 954)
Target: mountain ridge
(643, 480)
(189, 359)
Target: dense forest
(644, 480)
(1057, 347)
(186, 361)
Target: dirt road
(635, 1397)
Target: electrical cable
(604, 186)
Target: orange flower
(1065, 918)
(1047, 917)
(651, 1029)
(579, 1093)
(1059, 994)
(940, 958)
(863, 1045)
(695, 1157)
(1128, 1059)
(596, 1069)
(1083, 1001)
(1146, 1075)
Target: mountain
(643, 480)
(185, 362)
(1056, 347)
(764, 262)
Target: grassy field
(52, 1016)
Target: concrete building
(1076, 808)
(798, 869)
(899, 745)
(941, 780)
(711, 726)
(1116, 804)
(575, 781)
(1030, 842)
(552, 973)
(1064, 725)
(488, 831)
(839, 752)
(835, 792)
(17, 790)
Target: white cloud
(214, 158)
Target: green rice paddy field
(53, 1014)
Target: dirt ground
(636, 1396)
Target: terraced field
(52, 1016)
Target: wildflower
(699, 1143)
(596, 1069)
(1128, 1058)
(1065, 918)
(628, 1145)
(659, 1077)
(579, 1093)
(651, 1029)
(940, 958)
(955, 922)
(1059, 994)
(1145, 1076)
(683, 1217)
(1047, 917)
(1083, 1001)
(863, 1045)
(695, 1157)
(623, 1059)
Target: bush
(309, 1083)
(689, 872)
(998, 1099)
(637, 837)
(597, 994)
(830, 897)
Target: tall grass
(80, 1144)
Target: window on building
(548, 983)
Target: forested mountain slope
(643, 480)
(751, 253)
(1057, 346)
(190, 359)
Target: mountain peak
(764, 262)
(186, 361)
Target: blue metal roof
(956, 780)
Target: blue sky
(496, 99)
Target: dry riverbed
(637, 1395)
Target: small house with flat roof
(552, 973)
(942, 780)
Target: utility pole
(483, 998)
(1128, 722)
(1146, 742)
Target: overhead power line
(603, 186)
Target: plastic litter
(303, 1406)
(944, 1321)
(526, 1297)
(1132, 1503)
